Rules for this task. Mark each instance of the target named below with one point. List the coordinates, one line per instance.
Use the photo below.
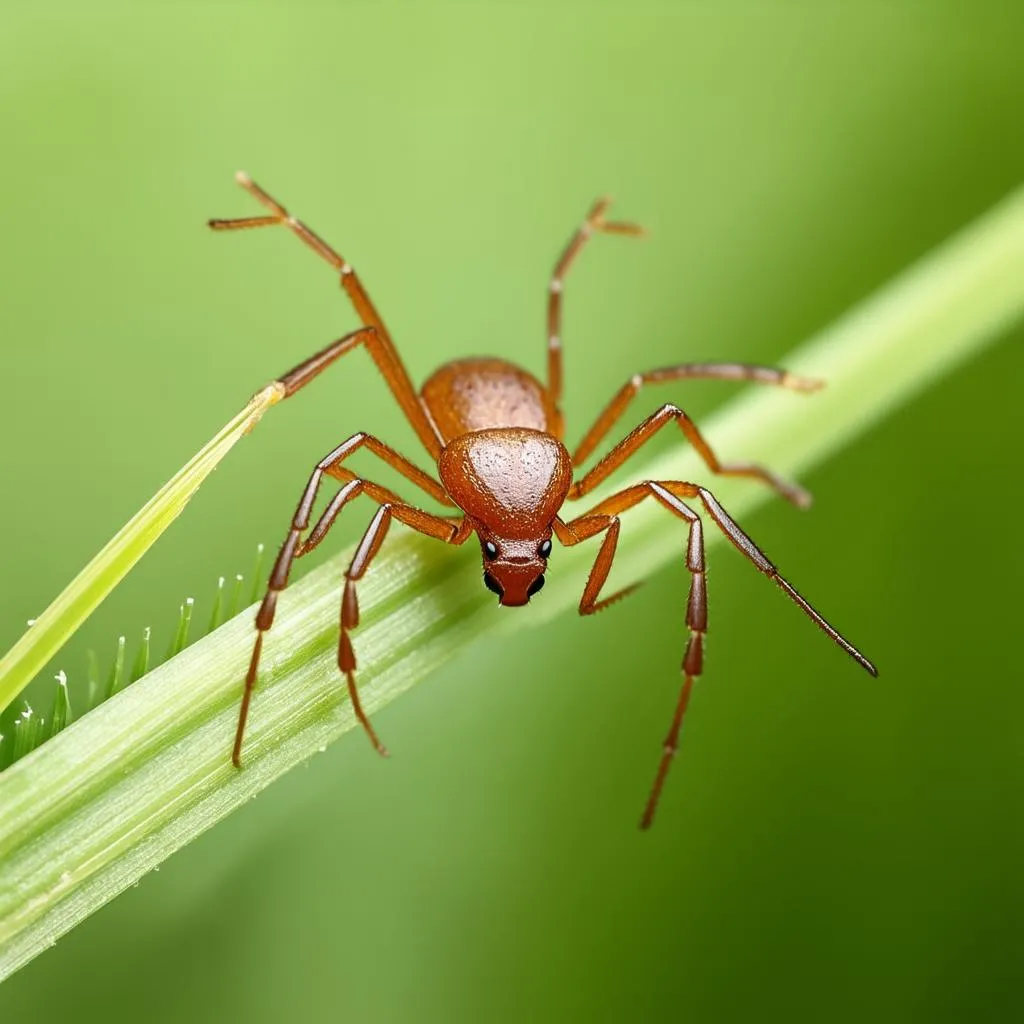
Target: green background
(829, 847)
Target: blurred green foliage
(829, 847)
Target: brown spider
(495, 433)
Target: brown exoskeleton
(495, 434)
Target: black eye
(492, 584)
(491, 551)
(536, 585)
(545, 549)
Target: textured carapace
(511, 483)
(495, 434)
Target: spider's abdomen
(482, 394)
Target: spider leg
(331, 465)
(685, 371)
(696, 616)
(604, 517)
(441, 529)
(594, 222)
(634, 441)
(295, 547)
(375, 334)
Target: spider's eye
(545, 549)
(491, 551)
(493, 585)
(536, 585)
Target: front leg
(423, 522)
(295, 547)
(669, 493)
(696, 611)
(604, 517)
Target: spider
(495, 434)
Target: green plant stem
(79, 599)
(121, 789)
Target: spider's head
(514, 569)
(510, 482)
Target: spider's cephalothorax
(511, 483)
(495, 434)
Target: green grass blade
(92, 678)
(141, 665)
(217, 615)
(125, 786)
(51, 630)
(180, 641)
(257, 574)
(116, 678)
(236, 595)
(24, 733)
(61, 716)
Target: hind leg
(376, 336)
(594, 222)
